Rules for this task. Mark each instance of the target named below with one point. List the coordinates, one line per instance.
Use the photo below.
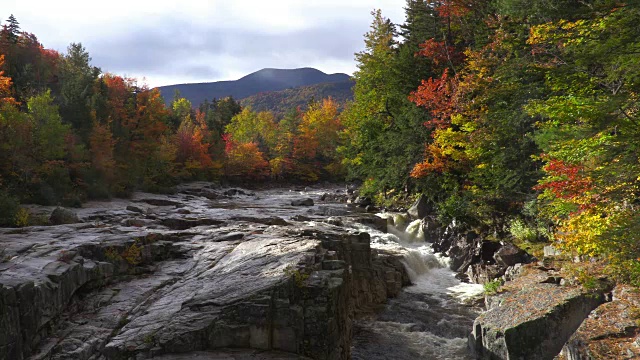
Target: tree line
(518, 118)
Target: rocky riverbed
(202, 270)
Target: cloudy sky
(168, 42)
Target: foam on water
(429, 272)
(428, 320)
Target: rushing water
(430, 319)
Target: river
(430, 319)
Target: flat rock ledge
(532, 318)
(102, 290)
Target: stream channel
(430, 319)
(213, 259)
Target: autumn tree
(589, 130)
(244, 161)
(314, 151)
(192, 147)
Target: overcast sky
(168, 42)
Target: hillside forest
(517, 118)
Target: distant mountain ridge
(279, 102)
(261, 81)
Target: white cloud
(190, 41)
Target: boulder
(373, 221)
(363, 201)
(532, 319)
(61, 216)
(302, 202)
(432, 228)
(488, 249)
(334, 197)
(420, 208)
(300, 218)
(482, 274)
(509, 255)
(269, 220)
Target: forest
(517, 118)
(70, 132)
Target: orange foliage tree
(192, 149)
(245, 160)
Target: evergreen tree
(78, 77)
(13, 29)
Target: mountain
(258, 82)
(281, 101)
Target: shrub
(492, 286)
(22, 217)
(9, 207)
(132, 254)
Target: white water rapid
(430, 319)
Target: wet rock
(329, 211)
(135, 209)
(202, 189)
(334, 197)
(464, 249)
(61, 216)
(300, 218)
(431, 228)
(334, 221)
(233, 354)
(232, 236)
(181, 223)
(271, 220)
(302, 202)
(136, 222)
(238, 192)
(363, 201)
(373, 221)
(420, 208)
(161, 202)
